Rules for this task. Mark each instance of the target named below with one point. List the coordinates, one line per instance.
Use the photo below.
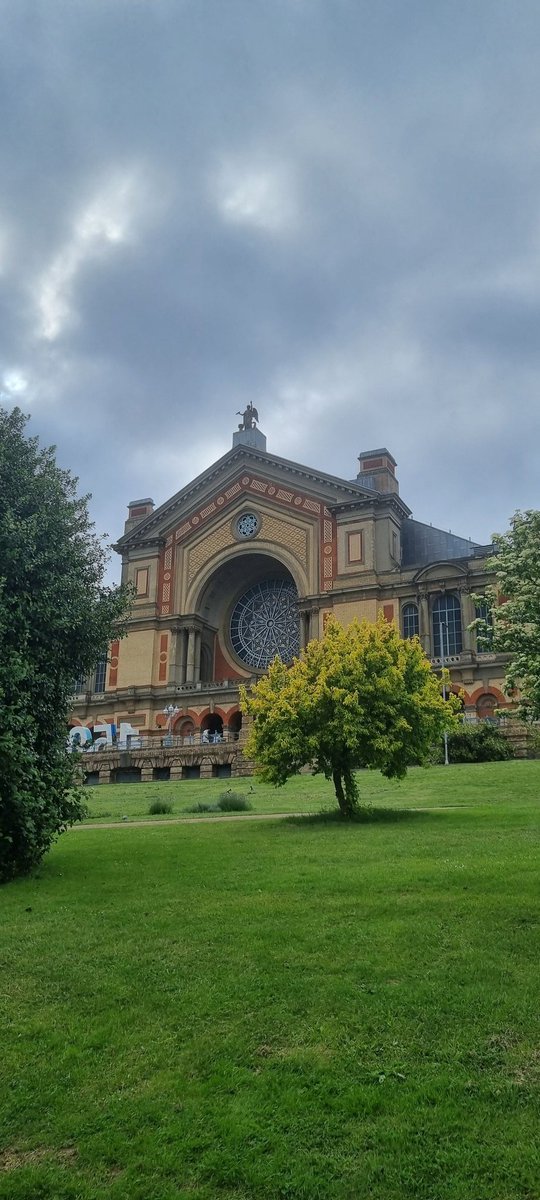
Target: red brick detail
(388, 612)
(222, 667)
(113, 668)
(163, 643)
(327, 550)
(371, 464)
(140, 511)
(285, 497)
(492, 690)
(166, 577)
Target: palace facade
(249, 560)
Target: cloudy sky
(328, 207)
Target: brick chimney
(137, 510)
(378, 470)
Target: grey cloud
(335, 213)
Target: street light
(444, 625)
(171, 711)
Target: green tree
(55, 620)
(359, 697)
(513, 605)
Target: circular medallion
(247, 525)
(265, 623)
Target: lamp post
(171, 711)
(444, 625)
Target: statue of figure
(250, 417)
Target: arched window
(446, 619)
(101, 671)
(409, 615)
(484, 634)
(485, 707)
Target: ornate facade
(250, 559)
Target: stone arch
(234, 723)
(489, 690)
(276, 554)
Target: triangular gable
(243, 470)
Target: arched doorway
(235, 725)
(184, 728)
(212, 728)
(485, 707)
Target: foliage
(233, 802)
(359, 697)
(476, 744)
(201, 807)
(55, 620)
(514, 608)
(160, 806)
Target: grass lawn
(292, 1009)
(492, 782)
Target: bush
(160, 806)
(201, 808)
(475, 743)
(233, 802)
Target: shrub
(233, 802)
(160, 806)
(201, 808)
(476, 743)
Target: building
(249, 560)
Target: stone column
(304, 620)
(182, 654)
(313, 624)
(468, 615)
(190, 665)
(423, 620)
(173, 649)
(197, 663)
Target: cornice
(227, 466)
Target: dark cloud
(333, 210)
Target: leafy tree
(359, 697)
(55, 619)
(513, 608)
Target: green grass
(291, 1009)
(495, 782)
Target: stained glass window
(265, 623)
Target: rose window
(247, 525)
(265, 623)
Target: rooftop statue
(250, 416)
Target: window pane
(101, 671)
(447, 619)
(410, 621)
(484, 636)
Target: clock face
(265, 623)
(247, 525)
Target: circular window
(247, 525)
(265, 623)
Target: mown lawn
(487, 782)
(296, 1009)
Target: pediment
(252, 473)
(441, 572)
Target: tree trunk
(345, 797)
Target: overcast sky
(328, 207)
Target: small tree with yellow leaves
(359, 697)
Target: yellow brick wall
(136, 658)
(363, 610)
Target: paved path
(194, 820)
(249, 816)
